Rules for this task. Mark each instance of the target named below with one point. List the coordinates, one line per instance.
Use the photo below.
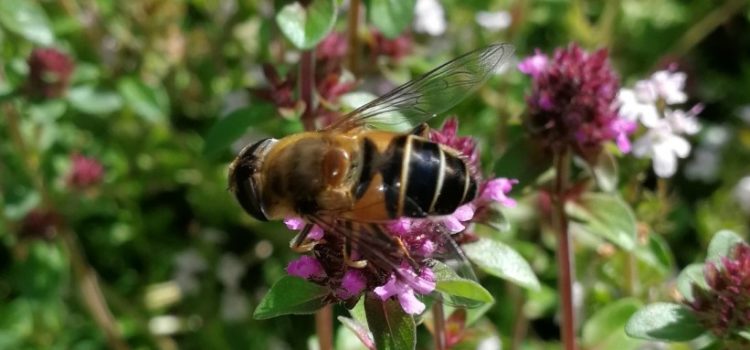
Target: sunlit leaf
(235, 124)
(391, 17)
(391, 327)
(291, 295)
(692, 274)
(502, 261)
(304, 26)
(359, 330)
(722, 244)
(452, 284)
(605, 171)
(607, 216)
(87, 100)
(149, 102)
(27, 19)
(664, 321)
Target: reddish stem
(353, 32)
(307, 87)
(564, 258)
(324, 327)
(438, 317)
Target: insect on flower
(353, 179)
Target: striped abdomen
(418, 177)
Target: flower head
(40, 223)
(724, 308)
(49, 73)
(572, 102)
(422, 238)
(652, 103)
(85, 172)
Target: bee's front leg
(300, 243)
(357, 264)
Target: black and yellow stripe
(419, 177)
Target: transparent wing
(430, 94)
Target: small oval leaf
(27, 19)
(722, 244)
(692, 274)
(607, 216)
(664, 321)
(604, 329)
(391, 17)
(451, 283)
(502, 261)
(304, 26)
(291, 295)
(149, 102)
(233, 125)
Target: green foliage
(391, 327)
(664, 321)
(305, 26)
(391, 16)
(291, 295)
(450, 283)
(502, 261)
(606, 216)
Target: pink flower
(424, 284)
(572, 102)
(724, 308)
(49, 73)
(352, 284)
(40, 223)
(534, 65)
(497, 190)
(466, 145)
(295, 223)
(306, 267)
(85, 172)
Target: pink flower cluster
(49, 73)
(85, 172)
(572, 103)
(724, 308)
(421, 237)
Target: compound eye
(335, 165)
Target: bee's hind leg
(300, 243)
(357, 264)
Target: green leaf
(235, 124)
(607, 216)
(304, 26)
(391, 327)
(692, 274)
(605, 171)
(722, 244)
(452, 284)
(605, 329)
(359, 330)
(664, 321)
(502, 261)
(291, 295)
(391, 17)
(149, 102)
(27, 19)
(42, 273)
(523, 160)
(87, 100)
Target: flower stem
(84, 275)
(324, 327)
(438, 316)
(353, 32)
(564, 258)
(307, 87)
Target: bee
(354, 176)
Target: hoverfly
(352, 177)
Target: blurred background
(113, 172)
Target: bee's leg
(422, 130)
(357, 264)
(300, 243)
(402, 248)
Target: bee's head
(244, 179)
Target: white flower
(682, 122)
(230, 270)
(635, 107)
(742, 194)
(429, 17)
(669, 86)
(493, 21)
(663, 146)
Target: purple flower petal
(534, 65)
(410, 303)
(294, 223)
(389, 289)
(352, 284)
(497, 190)
(305, 267)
